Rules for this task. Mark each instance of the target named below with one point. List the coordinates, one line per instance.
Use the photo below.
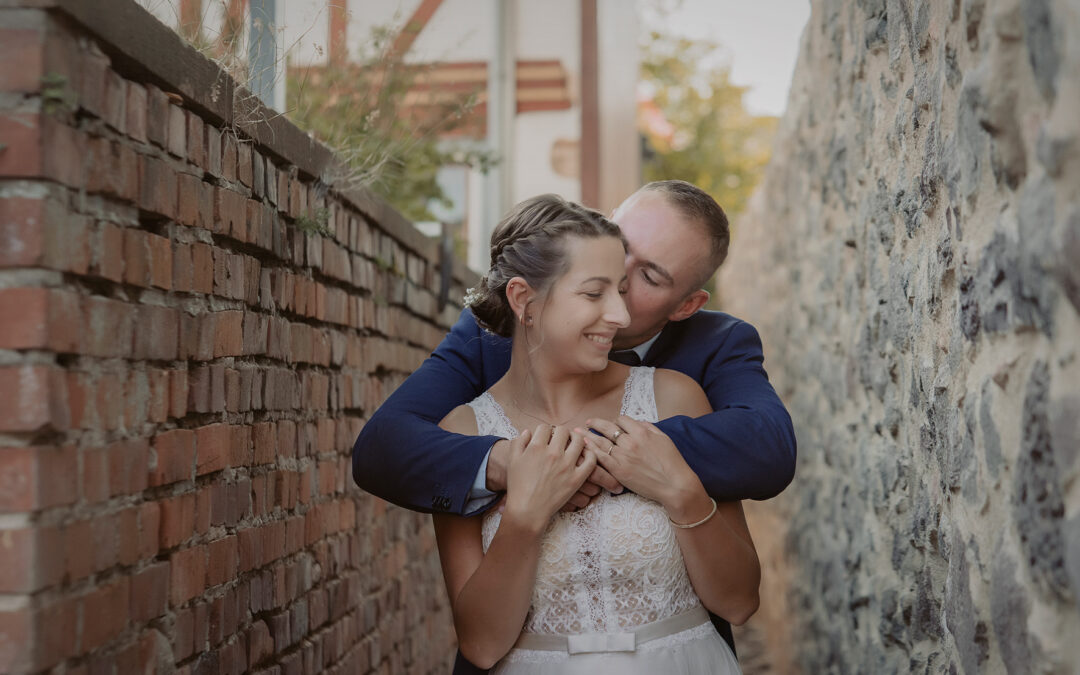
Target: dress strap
(639, 396)
(491, 419)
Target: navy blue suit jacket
(744, 449)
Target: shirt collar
(642, 349)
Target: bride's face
(584, 308)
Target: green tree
(713, 142)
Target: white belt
(614, 642)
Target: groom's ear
(691, 304)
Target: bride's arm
(490, 594)
(720, 556)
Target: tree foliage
(714, 142)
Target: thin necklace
(513, 399)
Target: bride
(623, 585)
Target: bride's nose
(615, 312)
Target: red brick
(182, 270)
(202, 510)
(202, 259)
(173, 458)
(183, 635)
(232, 390)
(177, 520)
(126, 523)
(158, 335)
(55, 631)
(115, 101)
(178, 393)
(160, 261)
(150, 592)
(177, 130)
(92, 82)
(157, 187)
(157, 403)
(229, 333)
(222, 561)
(108, 327)
(116, 170)
(157, 116)
(78, 549)
(149, 527)
(137, 257)
(264, 437)
(105, 610)
(213, 150)
(109, 400)
(230, 213)
(21, 51)
(64, 153)
(127, 466)
(95, 483)
(22, 135)
(36, 477)
(260, 644)
(140, 656)
(240, 445)
(228, 155)
(136, 111)
(110, 264)
(213, 447)
(195, 140)
(33, 398)
(188, 199)
(22, 228)
(16, 627)
(187, 574)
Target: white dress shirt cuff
(479, 496)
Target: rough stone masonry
(912, 260)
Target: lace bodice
(610, 567)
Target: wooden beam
(339, 26)
(416, 23)
(590, 106)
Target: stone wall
(195, 325)
(912, 260)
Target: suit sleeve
(401, 454)
(744, 449)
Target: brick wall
(183, 369)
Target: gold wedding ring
(615, 436)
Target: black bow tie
(627, 357)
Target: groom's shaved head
(698, 207)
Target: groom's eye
(649, 280)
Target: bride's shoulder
(678, 394)
(460, 420)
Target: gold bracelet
(700, 522)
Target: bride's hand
(544, 473)
(643, 459)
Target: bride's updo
(529, 243)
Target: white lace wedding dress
(612, 577)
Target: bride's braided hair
(528, 243)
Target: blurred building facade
(555, 85)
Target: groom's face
(665, 259)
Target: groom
(745, 449)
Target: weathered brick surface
(185, 374)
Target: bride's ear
(519, 294)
